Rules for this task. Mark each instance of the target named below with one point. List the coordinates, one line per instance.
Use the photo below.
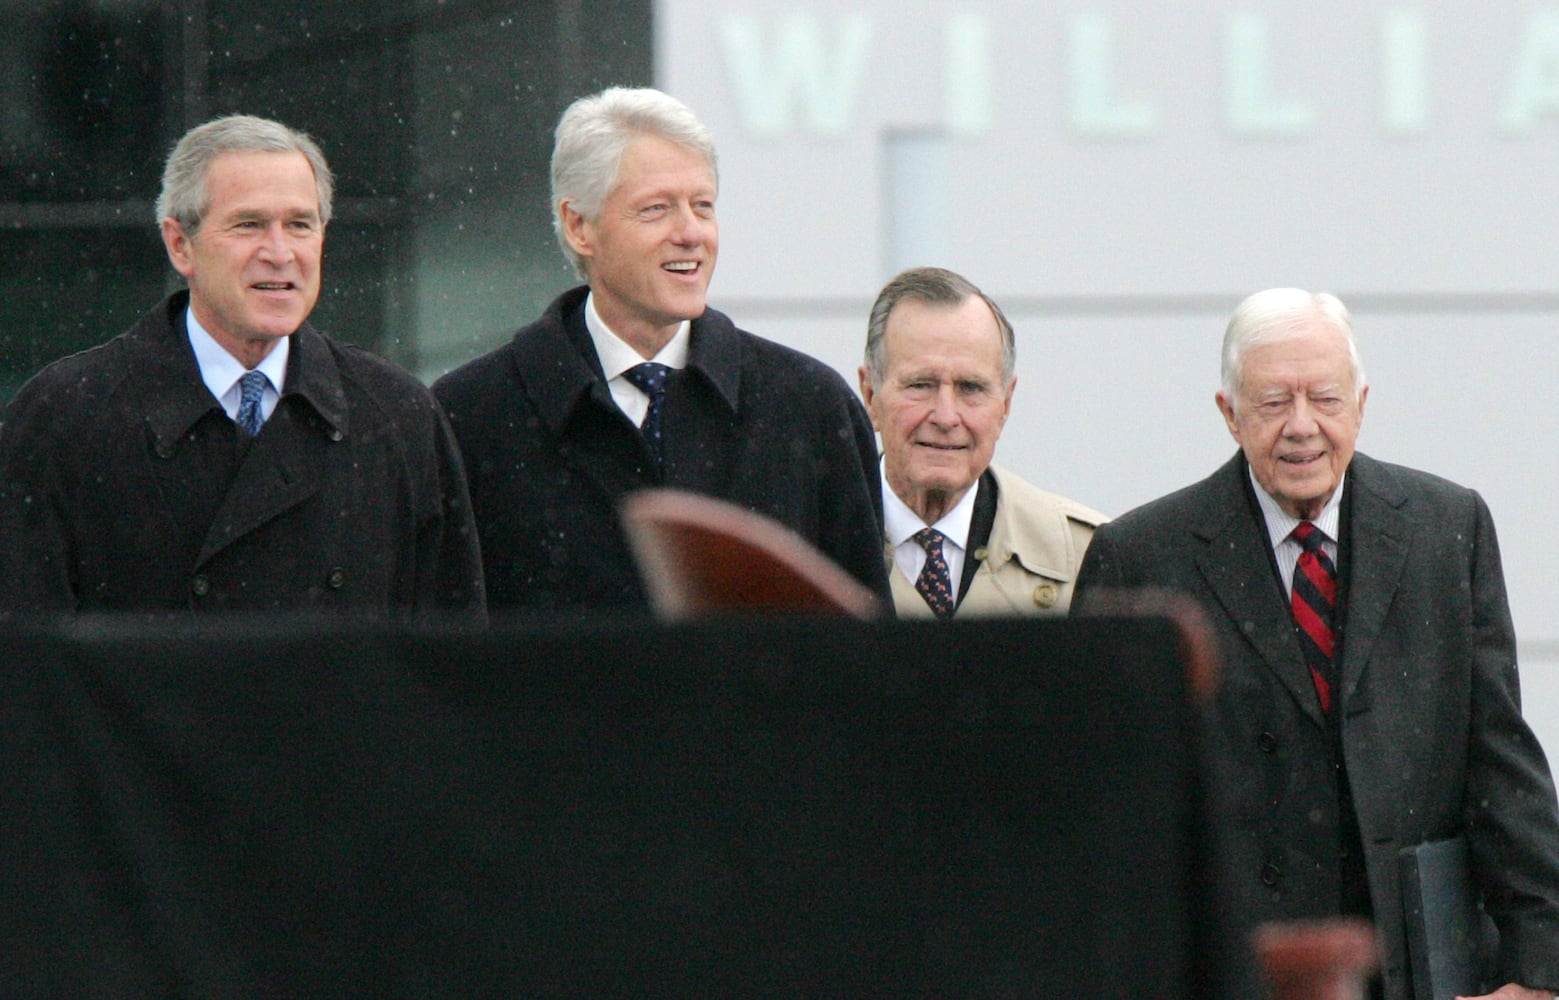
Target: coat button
(1267, 742)
(334, 434)
(1045, 595)
(336, 578)
(1270, 874)
(163, 449)
(200, 586)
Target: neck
(646, 337)
(249, 352)
(1307, 510)
(649, 346)
(933, 505)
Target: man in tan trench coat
(962, 536)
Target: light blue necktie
(251, 390)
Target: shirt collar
(221, 371)
(617, 357)
(900, 523)
(1281, 524)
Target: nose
(274, 245)
(1301, 420)
(944, 409)
(689, 229)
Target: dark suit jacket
(125, 487)
(549, 455)
(1431, 728)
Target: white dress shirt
(899, 525)
(1280, 530)
(617, 357)
(221, 371)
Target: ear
(1226, 407)
(577, 230)
(868, 394)
(1006, 403)
(1363, 395)
(177, 243)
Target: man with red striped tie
(1369, 699)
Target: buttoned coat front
(1030, 560)
(1431, 728)
(125, 487)
(549, 456)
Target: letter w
(767, 83)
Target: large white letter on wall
(1404, 72)
(1534, 82)
(1096, 110)
(968, 83)
(1250, 107)
(818, 64)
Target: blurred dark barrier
(747, 808)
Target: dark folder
(1442, 918)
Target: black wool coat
(1430, 713)
(125, 487)
(549, 455)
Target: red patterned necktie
(934, 582)
(1314, 601)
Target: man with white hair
(630, 381)
(1369, 701)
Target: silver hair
(590, 140)
(1276, 313)
(935, 286)
(184, 196)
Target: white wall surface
(1118, 175)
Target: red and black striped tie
(1314, 601)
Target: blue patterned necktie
(934, 583)
(251, 390)
(650, 379)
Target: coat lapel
(288, 462)
(1377, 555)
(1237, 565)
(555, 364)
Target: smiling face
(253, 263)
(1296, 415)
(942, 402)
(652, 250)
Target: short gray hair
(935, 286)
(1276, 313)
(184, 196)
(591, 138)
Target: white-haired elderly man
(631, 381)
(1368, 697)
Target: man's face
(942, 401)
(1296, 416)
(253, 264)
(652, 251)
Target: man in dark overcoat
(631, 381)
(1369, 699)
(223, 455)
